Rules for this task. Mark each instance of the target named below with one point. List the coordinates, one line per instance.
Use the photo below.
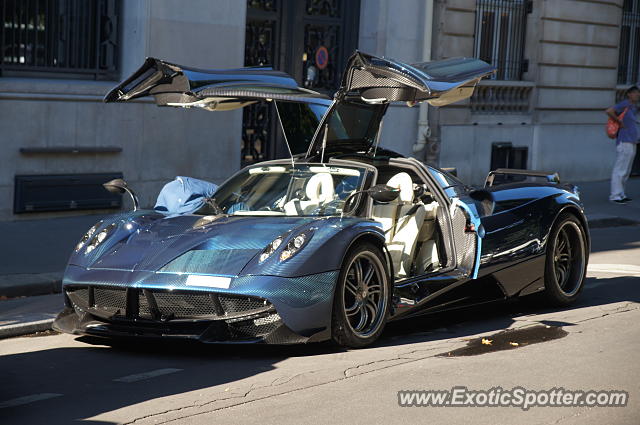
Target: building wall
(157, 143)
(395, 32)
(572, 48)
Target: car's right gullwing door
(441, 82)
(370, 83)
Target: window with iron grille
(629, 59)
(76, 38)
(500, 34)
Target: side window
(451, 185)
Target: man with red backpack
(624, 113)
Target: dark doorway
(309, 39)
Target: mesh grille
(465, 243)
(179, 305)
(171, 305)
(110, 300)
(233, 305)
(184, 305)
(79, 298)
(257, 327)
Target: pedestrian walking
(626, 142)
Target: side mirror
(379, 192)
(383, 193)
(115, 186)
(120, 186)
(484, 200)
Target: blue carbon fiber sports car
(328, 244)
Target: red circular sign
(322, 57)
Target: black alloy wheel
(566, 262)
(362, 299)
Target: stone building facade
(52, 121)
(550, 116)
(544, 112)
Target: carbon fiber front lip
(209, 332)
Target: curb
(27, 285)
(26, 328)
(612, 221)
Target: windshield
(300, 190)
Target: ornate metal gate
(309, 39)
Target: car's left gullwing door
(212, 89)
(227, 89)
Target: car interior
(410, 224)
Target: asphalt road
(59, 379)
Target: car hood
(188, 244)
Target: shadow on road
(501, 314)
(614, 239)
(85, 375)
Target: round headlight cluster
(271, 248)
(293, 246)
(99, 238)
(88, 236)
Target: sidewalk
(35, 252)
(22, 316)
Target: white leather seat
(387, 214)
(319, 190)
(429, 224)
(427, 257)
(402, 221)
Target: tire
(362, 300)
(566, 261)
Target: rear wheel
(362, 299)
(566, 262)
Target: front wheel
(362, 298)
(566, 261)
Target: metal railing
(629, 55)
(61, 36)
(500, 34)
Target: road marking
(27, 399)
(620, 269)
(146, 375)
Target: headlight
(294, 246)
(87, 236)
(99, 238)
(271, 248)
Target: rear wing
(508, 175)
